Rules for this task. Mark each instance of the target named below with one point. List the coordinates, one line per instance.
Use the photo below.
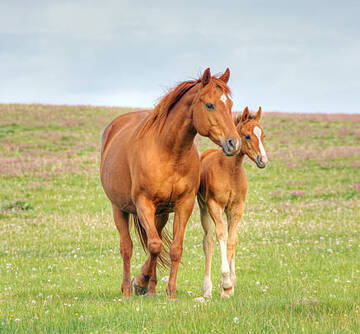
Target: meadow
(298, 258)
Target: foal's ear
(245, 115)
(258, 115)
(225, 77)
(206, 77)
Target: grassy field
(298, 259)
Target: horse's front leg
(160, 222)
(146, 212)
(183, 211)
(221, 232)
(233, 217)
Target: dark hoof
(226, 293)
(139, 290)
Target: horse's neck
(236, 162)
(177, 135)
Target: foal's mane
(161, 111)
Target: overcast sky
(301, 56)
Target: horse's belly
(166, 208)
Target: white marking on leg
(207, 286)
(232, 271)
(223, 98)
(224, 263)
(257, 132)
(232, 266)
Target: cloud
(282, 55)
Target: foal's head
(211, 110)
(252, 137)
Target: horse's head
(252, 137)
(211, 110)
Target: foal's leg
(182, 213)
(146, 213)
(233, 217)
(122, 224)
(160, 222)
(208, 246)
(215, 211)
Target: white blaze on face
(257, 133)
(223, 98)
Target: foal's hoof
(226, 282)
(207, 294)
(226, 290)
(226, 293)
(138, 289)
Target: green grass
(298, 259)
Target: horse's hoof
(126, 295)
(150, 294)
(207, 288)
(139, 290)
(171, 295)
(207, 295)
(226, 282)
(226, 293)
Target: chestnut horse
(150, 167)
(223, 188)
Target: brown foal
(223, 188)
(150, 167)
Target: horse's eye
(248, 137)
(210, 106)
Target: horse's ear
(245, 115)
(225, 77)
(206, 77)
(258, 115)
(237, 118)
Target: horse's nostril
(232, 143)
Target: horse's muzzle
(230, 146)
(260, 162)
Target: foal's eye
(247, 137)
(210, 106)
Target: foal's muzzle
(230, 146)
(261, 162)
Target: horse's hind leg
(160, 222)
(208, 247)
(122, 224)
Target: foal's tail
(164, 256)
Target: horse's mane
(170, 99)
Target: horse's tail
(164, 256)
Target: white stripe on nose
(223, 98)
(257, 132)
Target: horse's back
(117, 144)
(129, 120)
